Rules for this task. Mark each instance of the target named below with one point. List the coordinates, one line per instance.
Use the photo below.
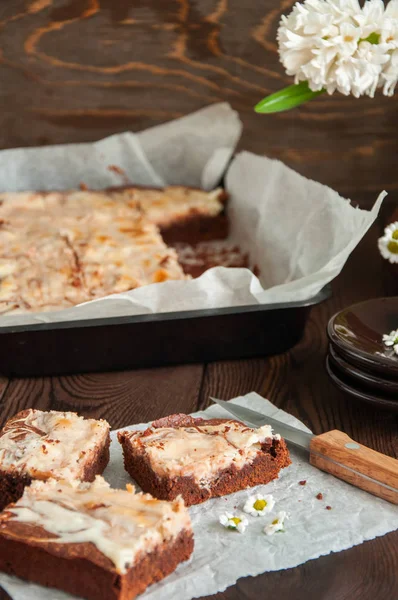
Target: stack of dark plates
(358, 361)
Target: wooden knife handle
(336, 453)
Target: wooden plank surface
(78, 70)
(121, 398)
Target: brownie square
(35, 444)
(201, 459)
(93, 541)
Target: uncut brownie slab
(200, 459)
(60, 249)
(93, 541)
(35, 444)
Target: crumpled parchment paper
(298, 232)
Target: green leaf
(288, 98)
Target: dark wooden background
(78, 70)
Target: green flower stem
(373, 38)
(286, 99)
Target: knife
(334, 452)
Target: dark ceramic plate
(357, 333)
(344, 384)
(375, 382)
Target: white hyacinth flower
(388, 243)
(339, 45)
(259, 505)
(231, 521)
(276, 524)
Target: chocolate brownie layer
(249, 463)
(110, 544)
(12, 487)
(195, 228)
(83, 578)
(195, 259)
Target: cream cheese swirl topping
(50, 444)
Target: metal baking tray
(153, 340)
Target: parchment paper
(222, 556)
(298, 232)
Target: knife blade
(298, 438)
(333, 452)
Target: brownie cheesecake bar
(40, 445)
(200, 459)
(93, 541)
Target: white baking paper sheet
(298, 232)
(222, 556)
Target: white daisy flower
(388, 243)
(276, 525)
(231, 521)
(391, 340)
(339, 45)
(259, 505)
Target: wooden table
(79, 70)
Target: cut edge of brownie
(12, 484)
(195, 228)
(264, 468)
(81, 577)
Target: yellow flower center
(275, 522)
(393, 247)
(260, 504)
(395, 235)
(236, 520)
(348, 38)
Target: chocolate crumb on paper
(303, 482)
(116, 169)
(119, 171)
(319, 496)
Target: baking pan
(153, 340)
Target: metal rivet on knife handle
(336, 453)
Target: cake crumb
(116, 169)
(303, 482)
(83, 186)
(319, 496)
(328, 508)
